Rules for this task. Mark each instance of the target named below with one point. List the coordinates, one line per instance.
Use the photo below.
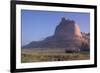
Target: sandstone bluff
(67, 35)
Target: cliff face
(67, 35)
(68, 29)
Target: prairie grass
(40, 55)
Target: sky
(37, 25)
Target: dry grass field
(47, 54)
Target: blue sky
(37, 25)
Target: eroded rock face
(68, 28)
(67, 35)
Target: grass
(40, 55)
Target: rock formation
(67, 35)
(68, 29)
